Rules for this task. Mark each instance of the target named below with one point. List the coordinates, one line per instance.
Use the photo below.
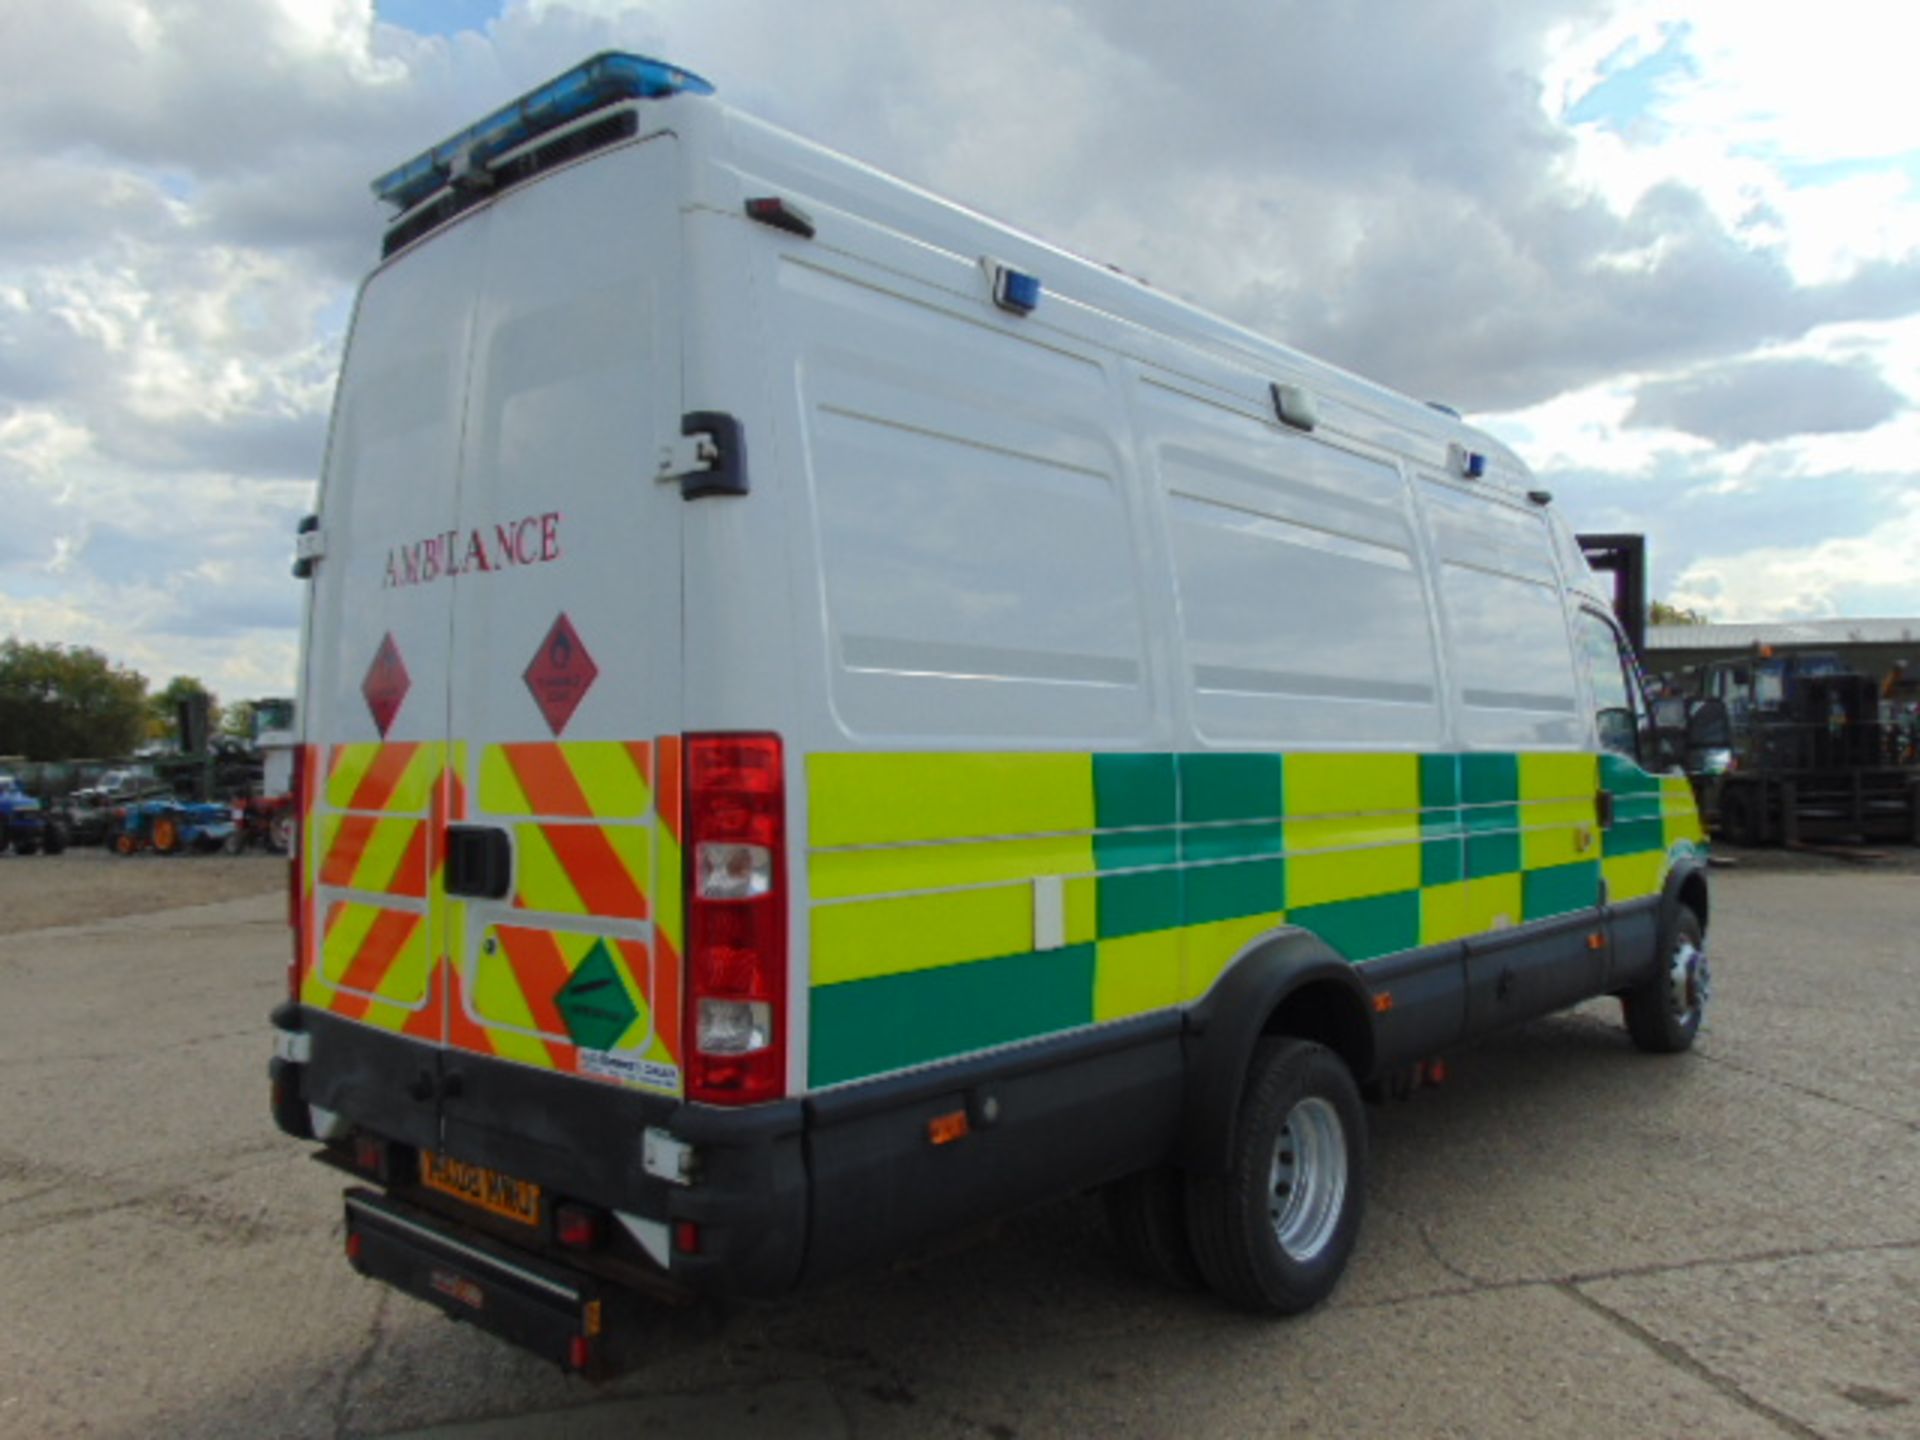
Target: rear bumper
(548, 1309)
(579, 1139)
(780, 1194)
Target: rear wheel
(124, 843)
(1664, 1011)
(1148, 1215)
(166, 834)
(56, 837)
(1274, 1233)
(27, 845)
(280, 832)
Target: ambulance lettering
(529, 540)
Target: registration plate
(493, 1192)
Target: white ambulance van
(824, 720)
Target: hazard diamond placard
(560, 674)
(385, 688)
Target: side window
(1619, 709)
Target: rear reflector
(735, 828)
(576, 1227)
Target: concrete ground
(1569, 1239)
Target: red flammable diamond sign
(386, 685)
(560, 674)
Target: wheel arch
(1292, 983)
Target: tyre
(280, 832)
(1664, 1011)
(1147, 1213)
(56, 838)
(124, 843)
(1274, 1233)
(166, 834)
(27, 845)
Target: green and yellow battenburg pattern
(967, 900)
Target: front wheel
(1274, 1233)
(1664, 1011)
(56, 838)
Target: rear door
(375, 701)
(562, 930)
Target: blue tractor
(24, 825)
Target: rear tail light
(735, 831)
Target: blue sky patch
(439, 17)
(1627, 94)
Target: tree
(1661, 613)
(163, 710)
(65, 702)
(236, 720)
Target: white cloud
(187, 213)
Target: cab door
(562, 873)
(1634, 800)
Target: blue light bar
(606, 79)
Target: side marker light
(945, 1129)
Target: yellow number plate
(493, 1192)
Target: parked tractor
(25, 825)
(172, 827)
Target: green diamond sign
(595, 1003)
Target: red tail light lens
(735, 835)
(576, 1227)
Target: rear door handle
(1603, 808)
(479, 862)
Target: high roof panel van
(824, 719)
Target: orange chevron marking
(596, 871)
(424, 1023)
(377, 785)
(349, 844)
(463, 1032)
(548, 781)
(540, 970)
(666, 793)
(386, 938)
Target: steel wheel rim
(1307, 1182)
(1689, 981)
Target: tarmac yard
(1568, 1239)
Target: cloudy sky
(1670, 252)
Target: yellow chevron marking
(612, 783)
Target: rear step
(546, 1308)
